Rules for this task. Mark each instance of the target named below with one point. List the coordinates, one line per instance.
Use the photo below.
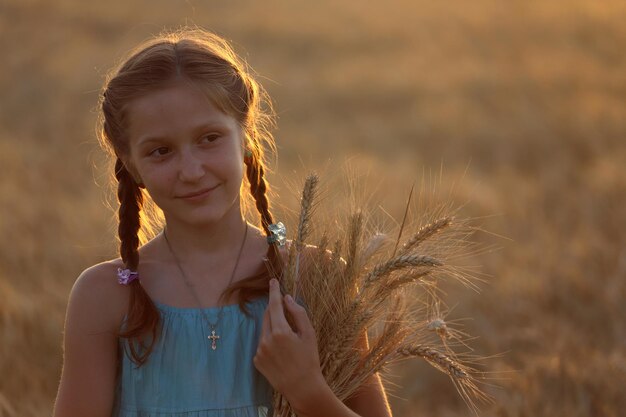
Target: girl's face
(188, 154)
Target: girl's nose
(191, 168)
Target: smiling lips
(197, 194)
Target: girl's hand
(288, 358)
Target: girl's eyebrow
(196, 130)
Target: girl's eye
(159, 151)
(210, 138)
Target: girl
(192, 323)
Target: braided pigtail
(258, 188)
(258, 284)
(141, 309)
(131, 202)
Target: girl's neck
(192, 241)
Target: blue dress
(184, 377)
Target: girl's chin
(198, 215)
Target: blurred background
(517, 106)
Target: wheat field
(514, 109)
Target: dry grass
(532, 93)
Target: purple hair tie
(126, 276)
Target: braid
(131, 203)
(258, 189)
(142, 313)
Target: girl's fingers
(302, 322)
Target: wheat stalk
(399, 262)
(424, 233)
(406, 213)
(438, 359)
(354, 237)
(461, 375)
(306, 205)
(353, 286)
(374, 245)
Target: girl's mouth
(198, 195)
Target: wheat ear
(461, 376)
(438, 359)
(353, 246)
(399, 262)
(306, 205)
(426, 232)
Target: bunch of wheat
(353, 282)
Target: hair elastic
(126, 276)
(278, 234)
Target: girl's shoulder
(97, 289)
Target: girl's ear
(247, 156)
(248, 146)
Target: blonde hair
(206, 61)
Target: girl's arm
(369, 401)
(94, 312)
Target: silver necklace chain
(213, 336)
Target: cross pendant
(214, 337)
